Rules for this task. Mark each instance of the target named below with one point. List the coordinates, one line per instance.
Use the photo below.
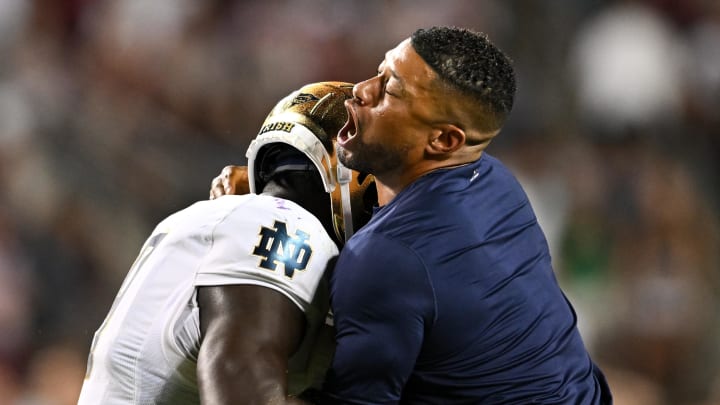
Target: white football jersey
(145, 352)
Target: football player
(228, 294)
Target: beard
(374, 159)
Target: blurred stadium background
(115, 113)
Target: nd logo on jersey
(276, 246)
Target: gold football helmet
(309, 119)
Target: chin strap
(344, 176)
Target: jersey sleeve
(271, 243)
(382, 301)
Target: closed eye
(384, 84)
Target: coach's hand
(231, 180)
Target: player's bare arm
(248, 334)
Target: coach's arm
(231, 180)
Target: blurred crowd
(115, 113)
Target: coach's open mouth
(349, 130)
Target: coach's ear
(445, 139)
(231, 180)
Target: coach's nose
(367, 92)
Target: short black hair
(469, 62)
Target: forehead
(416, 76)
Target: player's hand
(231, 180)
